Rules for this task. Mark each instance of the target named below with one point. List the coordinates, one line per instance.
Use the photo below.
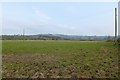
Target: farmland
(59, 59)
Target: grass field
(59, 59)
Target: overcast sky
(58, 18)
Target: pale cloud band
(59, 0)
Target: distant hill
(54, 37)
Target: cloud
(43, 20)
(71, 10)
(41, 15)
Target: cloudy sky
(76, 18)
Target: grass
(62, 59)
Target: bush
(118, 40)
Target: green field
(59, 59)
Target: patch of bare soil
(54, 66)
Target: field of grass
(59, 59)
